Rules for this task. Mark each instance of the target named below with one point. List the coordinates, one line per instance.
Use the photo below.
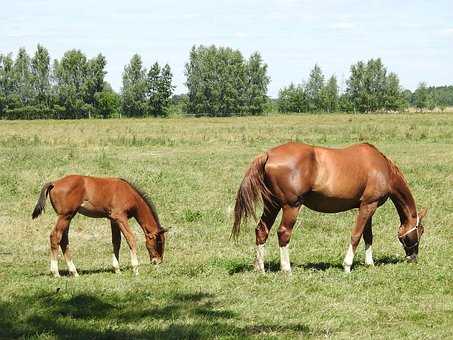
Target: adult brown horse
(112, 198)
(330, 181)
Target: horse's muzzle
(156, 260)
(412, 258)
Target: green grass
(206, 288)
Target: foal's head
(410, 236)
(155, 243)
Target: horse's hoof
(116, 270)
(371, 264)
(74, 274)
(287, 272)
(258, 268)
(56, 275)
(347, 269)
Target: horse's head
(155, 243)
(410, 236)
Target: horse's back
(327, 179)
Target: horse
(325, 180)
(113, 198)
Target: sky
(413, 38)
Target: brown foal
(330, 181)
(112, 198)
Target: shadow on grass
(274, 266)
(85, 316)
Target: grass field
(206, 287)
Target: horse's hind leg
(262, 232)
(284, 235)
(55, 239)
(116, 242)
(64, 244)
(366, 211)
(368, 238)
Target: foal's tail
(253, 188)
(42, 200)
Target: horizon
(413, 39)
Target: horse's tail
(42, 200)
(253, 188)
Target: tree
(40, 75)
(330, 95)
(160, 89)
(22, 78)
(107, 102)
(394, 99)
(421, 96)
(256, 82)
(370, 89)
(314, 89)
(292, 99)
(7, 86)
(165, 89)
(133, 92)
(217, 81)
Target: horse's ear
(422, 213)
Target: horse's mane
(392, 166)
(145, 198)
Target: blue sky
(413, 38)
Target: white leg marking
(54, 267)
(259, 262)
(285, 265)
(72, 269)
(115, 264)
(134, 262)
(347, 263)
(369, 255)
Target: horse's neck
(145, 217)
(403, 200)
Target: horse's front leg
(116, 243)
(122, 221)
(284, 235)
(366, 211)
(262, 232)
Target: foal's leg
(262, 232)
(55, 238)
(64, 244)
(284, 235)
(368, 238)
(116, 242)
(131, 241)
(366, 211)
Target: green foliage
(421, 96)
(133, 92)
(221, 82)
(146, 93)
(370, 89)
(256, 82)
(72, 88)
(315, 96)
(314, 90)
(292, 99)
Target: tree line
(220, 82)
(370, 88)
(75, 87)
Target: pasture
(206, 287)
